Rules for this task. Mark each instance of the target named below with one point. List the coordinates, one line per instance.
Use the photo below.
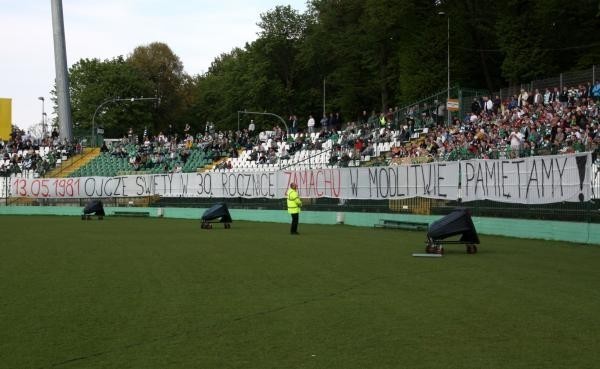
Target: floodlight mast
(65, 122)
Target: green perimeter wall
(586, 233)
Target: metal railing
(73, 160)
(308, 161)
(567, 79)
(432, 109)
(434, 105)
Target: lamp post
(111, 100)
(43, 116)
(263, 113)
(448, 52)
(324, 112)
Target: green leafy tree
(518, 36)
(226, 88)
(369, 55)
(569, 33)
(93, 81)
(159, 66)
(359, 42)
(280, 41)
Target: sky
(196, 31)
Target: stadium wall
(577, 232)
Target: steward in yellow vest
(293, 205)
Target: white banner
(534, 180)
(434, 180)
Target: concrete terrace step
(74, 163)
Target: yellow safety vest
(293, 201)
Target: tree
(164, 70)
(281, 38)
(359, 42)
(370, 54)
(569, 33)
(525, 58)
(93, 81)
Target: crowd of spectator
(552, 121)
(530, 123)
(171, 152)
(24, 153)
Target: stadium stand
(530, 123)
(32, 156)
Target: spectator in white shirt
(311, 124)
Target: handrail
(263, 113)
(442, 92)
(307, 158)
(62, 169)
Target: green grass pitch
(163, 293)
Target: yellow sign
(452, 105)
(5, 118)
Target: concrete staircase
(69, 166)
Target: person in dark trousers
(293, 205)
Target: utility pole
(448, 67)
(324, 111)
(448, 99)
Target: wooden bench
(131, 213)
(401, 224)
